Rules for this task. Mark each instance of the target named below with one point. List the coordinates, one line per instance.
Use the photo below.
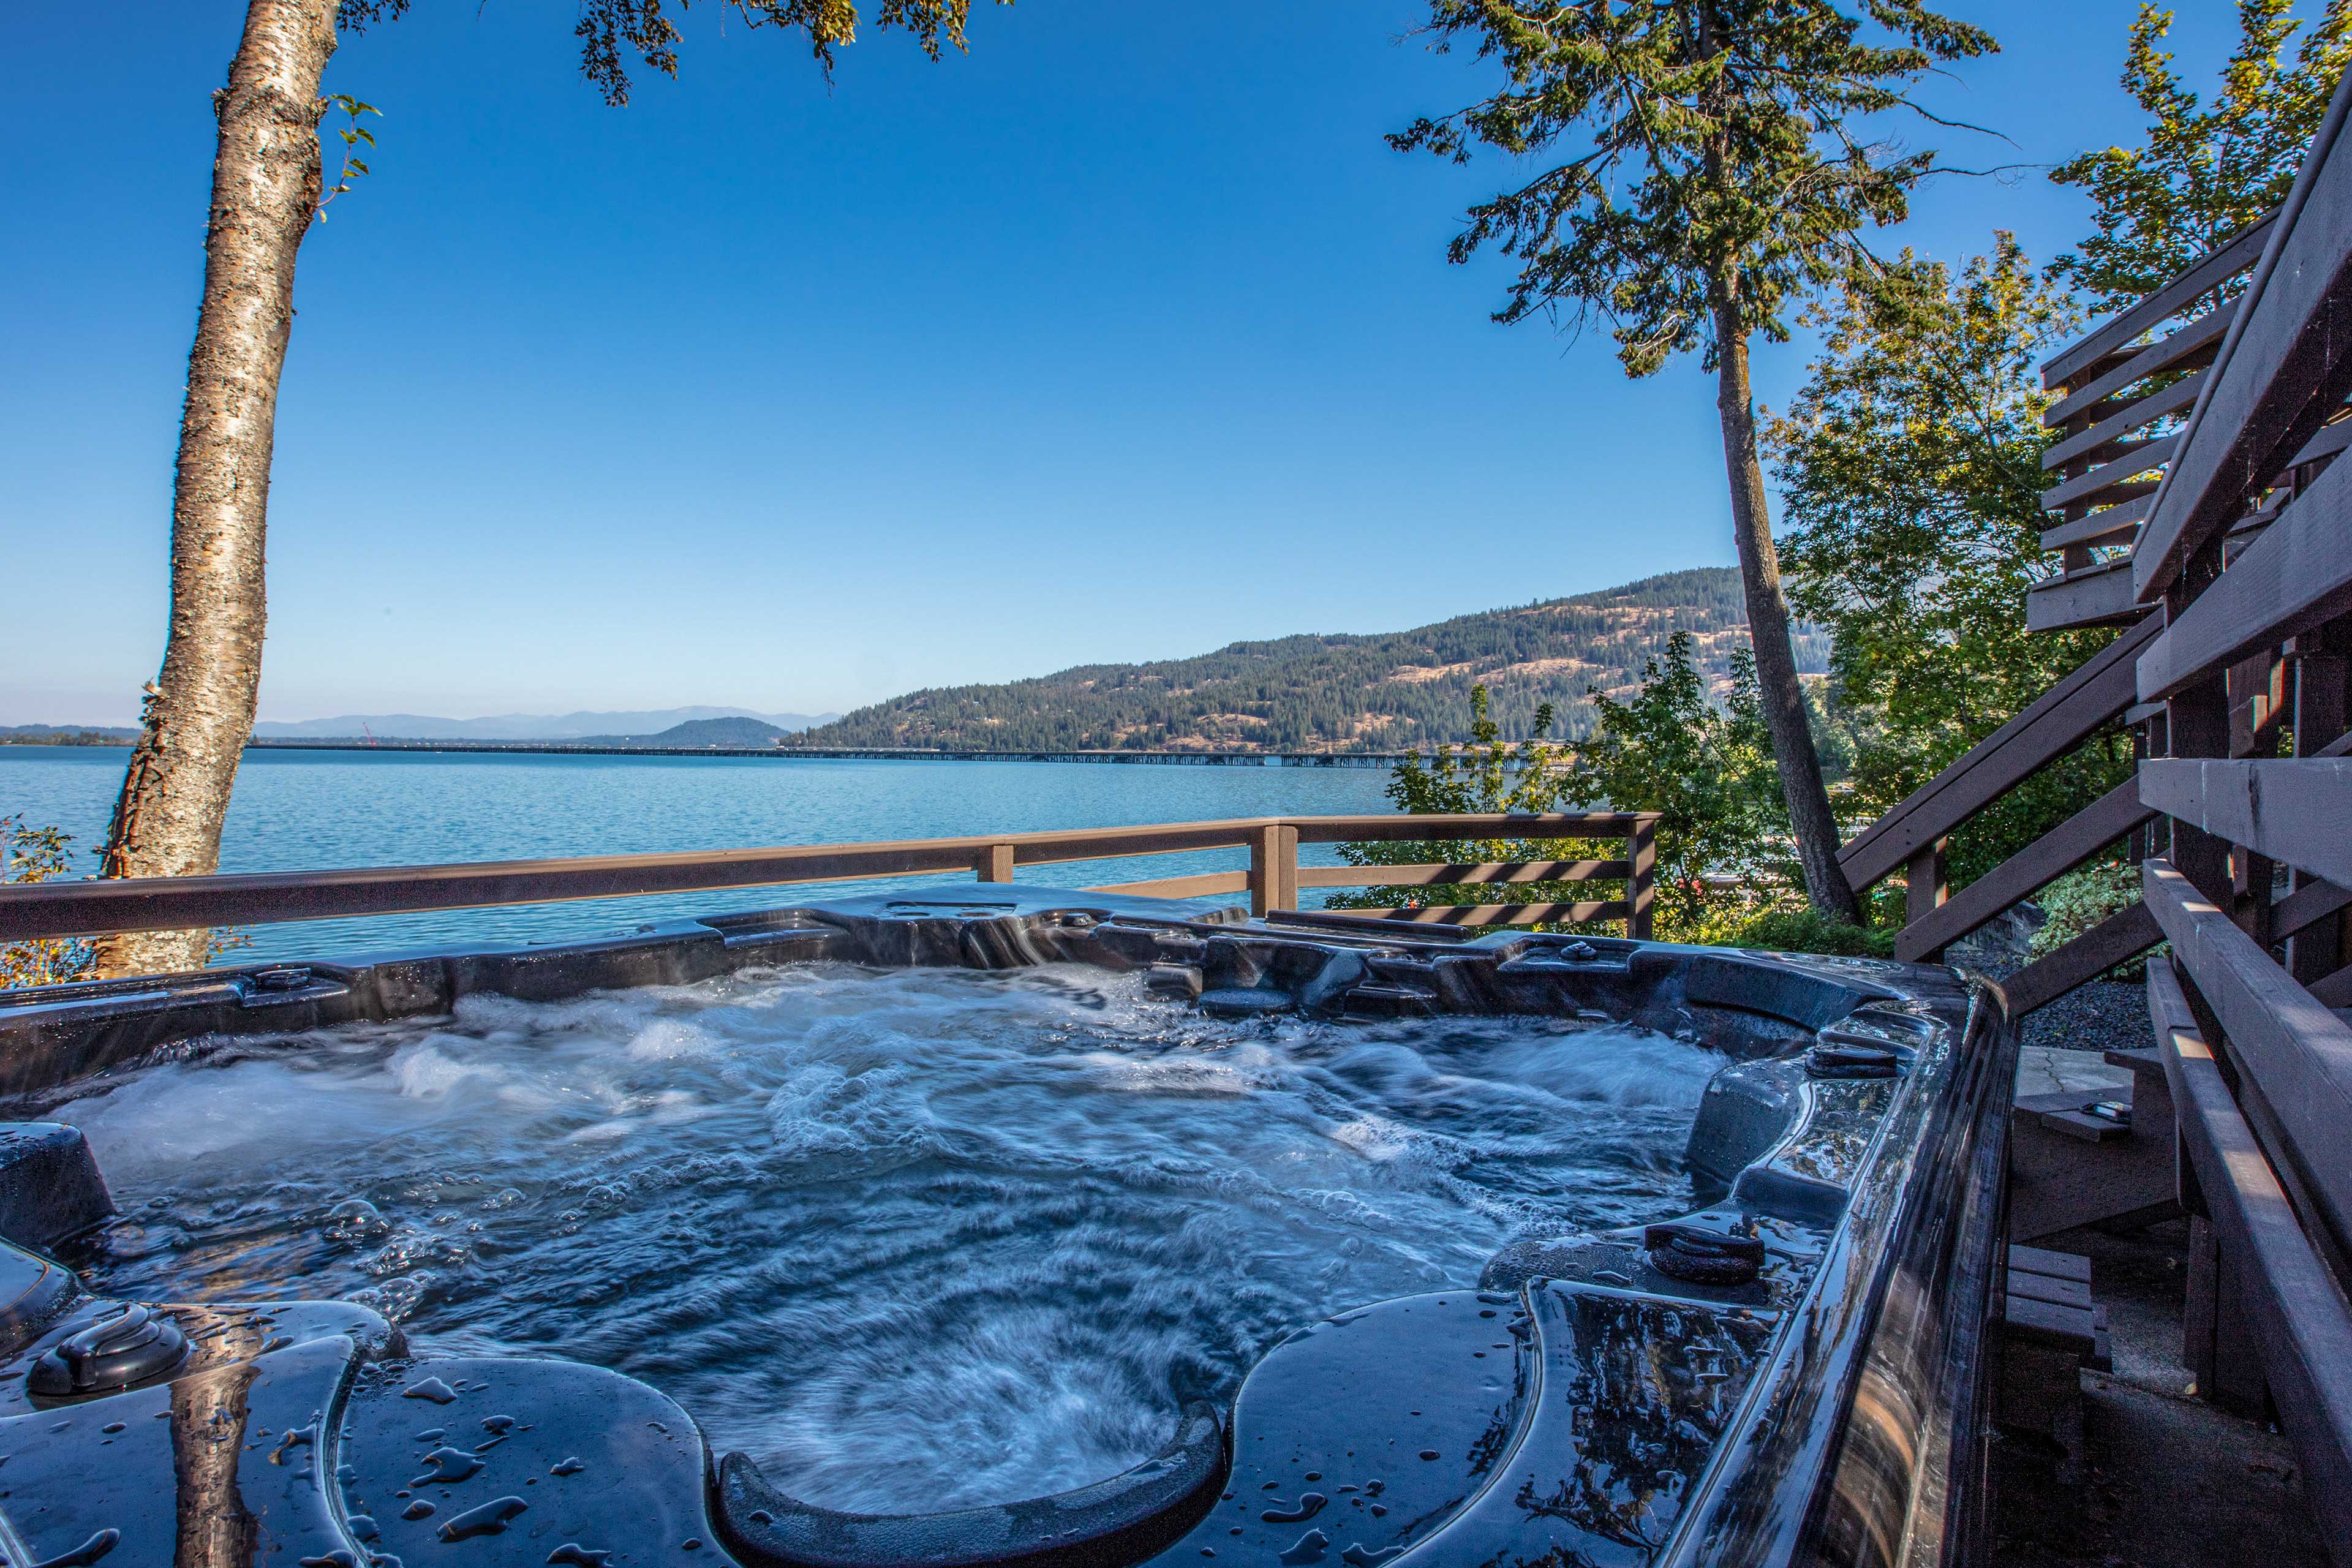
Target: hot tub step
(524, 1461)
(1357, 1437)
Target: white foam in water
(912, 1239)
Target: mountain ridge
(585, 726)
(1342, 691)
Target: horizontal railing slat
(2094, 595)
(1206, 885)
(2218, 267)
(2140, 459)
(2298, 1051)
(181, 903)
(2300, 1320)
(2055, 724)
(2296, 576)
(2171, 399)
(2312, 902)
(2296, 811)
(1436, 875)
(1502, 914)
(1523, 826)
(99, 908)
(2044, 860)
(2110, 525)
(2199, 337)
(2118, 939)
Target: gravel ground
(2105, 1016)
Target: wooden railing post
(1924, 889)
(994, 863)
(1274, 867)
(2316, 950)
(1642, 886)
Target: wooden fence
(1272, 879)
(2199, 507)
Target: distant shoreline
(851, 754)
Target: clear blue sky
(1122, 337)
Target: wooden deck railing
(2199, 505)
(1272, 879)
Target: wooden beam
(2117, 939)
(2111, 525)
(2048, 857)
(1428, 875)
(181, 903)
(1524, 826)
(2054, 724)
(2295, 810)
(1207, 884)
(2299, 1319)
(1501, 914)
(2155, 405)
(2194, 344)
(2095, 595)
(2310, 902)
(2138, 460)
(2298, 1053)
(2297, 575)
(2201, 276)
(2283, 368)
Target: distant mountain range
(595, 728)
(1334, 692)
(1385, 691)
(736, 732)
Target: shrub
(36, 855)
(2081, 900)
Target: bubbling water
(912, 1239)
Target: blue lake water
(315, 810)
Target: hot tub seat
(1121, 1519)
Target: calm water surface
(313, 810)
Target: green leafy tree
(1715, 179)
(1707, 770)
(2206, 171)
(1910, 467)
(269, 184)
(1485, 775)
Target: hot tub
(1009, 1229)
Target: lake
(315, 810)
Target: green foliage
(1793, 929)
(352, 135)
(37, 855)
(1726, 871)
(611, 30)
(1389, 691)
(1910, 468)
(1715, 168)
(2206, 169)
(2081, 900)
(1708, 771)
(1487, 776)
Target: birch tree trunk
(199, 710)
(1783, 694)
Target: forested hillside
(1389, 691)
